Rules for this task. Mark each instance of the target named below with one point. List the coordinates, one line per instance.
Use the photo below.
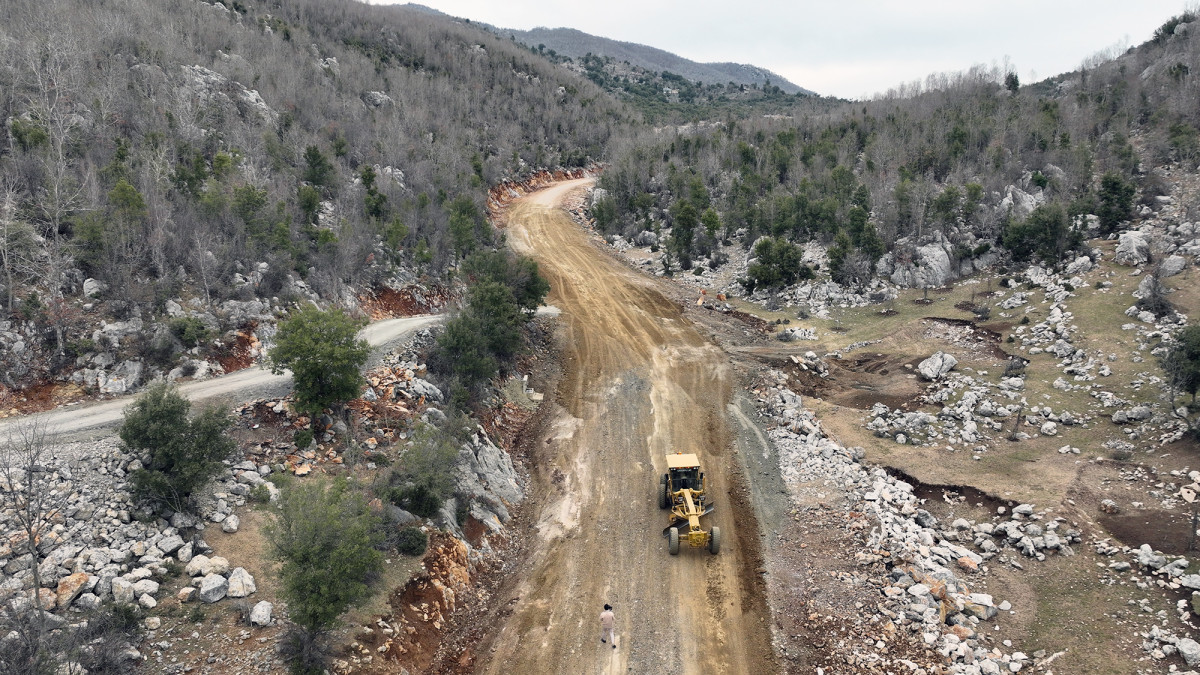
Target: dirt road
(73, 422)
(638, 382)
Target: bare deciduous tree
(35, 508)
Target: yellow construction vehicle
(681, 489)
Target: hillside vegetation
(971, 161)
(241, 150)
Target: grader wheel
(714, 541)
(664, 497)
(673, 541)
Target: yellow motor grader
(682, 490)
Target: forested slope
(970, 161)
(180, 149)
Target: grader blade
(676, 522)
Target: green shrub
(260, 494)
(324, 353)
(303, 438)
(325, 538)
(1116, 202)
(189, 330)
(412, 541)
(423, 477)
(197, 614)
(184, 452)
(778, 263)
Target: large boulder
(1189, 649)
(1133, 248)
(1172, 265)
(213, 587)
(936, 366)
(930, 268)
(241, 583)
(261, 614)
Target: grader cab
(681, 489)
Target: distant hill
(575, 44)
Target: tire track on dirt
(639, 381)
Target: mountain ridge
(574, 43)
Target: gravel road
(639, 382)
(84, 421)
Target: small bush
(241, 612)
(172, 568)
(189, 330)
(412, 541)
(304, 651)
(462, 509)
(420, 500)
(302, 438)
(1024, 320)
(422, 479)
(197, 614)
(260, 494)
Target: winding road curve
(638, 382)
(74, 422)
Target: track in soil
(638, 382)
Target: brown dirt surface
(38, 398)
(639, 381)
(386, 303)
(239, 354)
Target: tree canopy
(184, 452)
(322, 350)
(324, 536)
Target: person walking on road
(606, 626)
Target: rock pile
(100, 546)
(925, 584)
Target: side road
(82, 421)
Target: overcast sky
(850, 48)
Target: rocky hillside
(922, 185)
(207, 164)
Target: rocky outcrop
(1133, 248)
(210, 88)
(936, 366)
